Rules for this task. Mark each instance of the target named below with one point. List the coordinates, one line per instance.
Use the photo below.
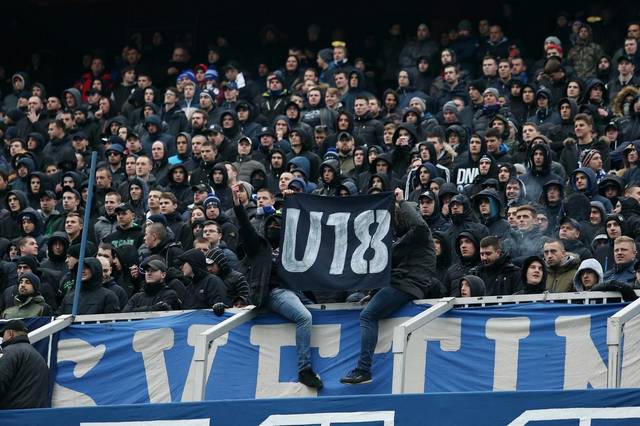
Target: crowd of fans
(525, 170)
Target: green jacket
(34, 306)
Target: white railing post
(47, 330)
(615, 333)
(402, 333)
(201, 350)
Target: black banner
(336, 243)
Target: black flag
(336, 243)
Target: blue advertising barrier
(614, 407)
(517, 347)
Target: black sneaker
(356, 377)
(308, 377)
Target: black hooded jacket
(443, 260)
(463, 265)
(182, 191)
(467, 221)
(221, 190)
(500, 278)
(413, 263)
(532, 288)
(204, 289)
(536, 177)
(94, 298)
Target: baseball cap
(156, 265)
(124, 207)
(215, 128)
(79, 135)
(344, 136)
(428, 194)
(201, 187)
(625, 58)
(14, 325)
(567, 220)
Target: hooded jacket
(494, 222)
(205, 289)
(443, 260)
(590, 264)
(126, 241)
(466, 221)
(25, 379)
(463, 265)
(476, 285)
(182, 191)
(328, 189)
(437, 222)
(536, 177)
(533, 288)
(94, 298)
(413, 262)
(10, 227)
(221, 190)
(56, 263)
(592, 187)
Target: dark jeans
(384, 303)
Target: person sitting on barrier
(237, 286)
(534, 275)
(590, 278)
(155, 294)
(413, 266)
(94, 298)
(262, 250)
(471, 286)
(204, 290)
(624, 256)
(28, 302)
(24, 375)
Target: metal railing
(615, 334)
(401, 334)
(204, 341)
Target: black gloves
(218, 308)
(161, 306)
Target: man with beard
(345, 146)
(28, 302)
(34, 121)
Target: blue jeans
(287, 303)
(384, 303)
